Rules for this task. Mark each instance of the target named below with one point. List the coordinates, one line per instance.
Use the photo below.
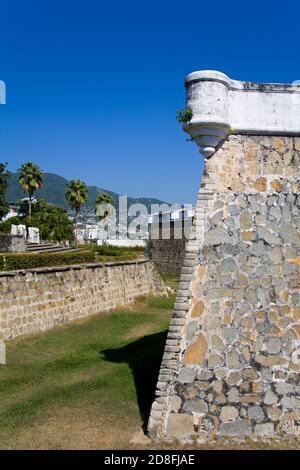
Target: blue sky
(93, 86)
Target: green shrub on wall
(11, 262)
(108, 250)
(184, 115)
(15, 261)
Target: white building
(13, 212)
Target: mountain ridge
(54, 187)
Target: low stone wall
(12, 243)
(39, 299)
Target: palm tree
(31, 179)
(77, 195)
(103, 198)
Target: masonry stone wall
(39, 299)
(167, 255)
(12, 243)
(232, 358)
(167, 251)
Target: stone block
(180, 425)
(237, 428)
(196, 352)
(186, 375)
(228, 413)
(266, 429)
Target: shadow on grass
(144, 358)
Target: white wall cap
(215, 76)
(222, 106)
(208, 75)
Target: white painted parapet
(222, 106)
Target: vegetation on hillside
(54, 189)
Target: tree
(31, 179)
(52, 221)
(77, 195)
(4, 177)
(103, 198)
(23, 207)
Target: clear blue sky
(93, 86)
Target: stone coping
(72, 267)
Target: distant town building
(13, 212)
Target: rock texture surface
(167, 249)
(39, 299)
(12, 243)
(232, 359)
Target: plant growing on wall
(4, 177)
(184, 115)
(31, 179)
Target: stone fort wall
(39, 299)
(167, 251)
(232, 358)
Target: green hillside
(53, 191)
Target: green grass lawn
(88, 384)
(170, 279)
